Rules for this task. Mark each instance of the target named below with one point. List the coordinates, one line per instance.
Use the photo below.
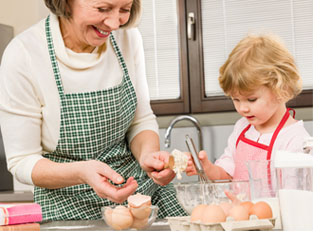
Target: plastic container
(295, 190)
(263, 186)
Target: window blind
(159, 30)
(226, 22)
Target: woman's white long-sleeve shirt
(29, 99)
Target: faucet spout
(181, 118)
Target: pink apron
(247, 149)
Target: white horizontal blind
(226, 22)
(159, 29)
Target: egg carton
(184, 224)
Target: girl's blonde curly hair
(260, 60)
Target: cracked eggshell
(138, 200)
(139, 205)
(121, 218)
(141, 212)
(108, 216)
(140, 223)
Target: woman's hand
(153, 164)
(96, 174)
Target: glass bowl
(191, 195)
(124, 217)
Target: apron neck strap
(52, 55)
(278, 129)
(54, 63)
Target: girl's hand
(96, 174)
(205, 162)
(191, 169)
(232, 197)
(153, 164)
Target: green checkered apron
(93, 127)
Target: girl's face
(261, 108)
(93, 20)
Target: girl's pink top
(290, 138)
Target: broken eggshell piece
(140, 205)
(178, 162)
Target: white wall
(21, 14)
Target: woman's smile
(101, 33)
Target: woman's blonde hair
(261, 60)
(63, 8)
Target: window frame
(192, 82)
(181, 105)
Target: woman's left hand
(153, 164)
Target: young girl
(260, 76)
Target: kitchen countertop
(16, 196)
(94, 225)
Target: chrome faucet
(181, 118)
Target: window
(183, 70)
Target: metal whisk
(200, 171)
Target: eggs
(197, 213)
(139, 223)
(120, 218)
(262, 210)
(213, 214)
(248, 205)
(225, 211)
(226, 206)
(136, 215)
(140, 205)
(239, 212)
(138, 200)
(108, 216)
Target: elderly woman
(75, 112)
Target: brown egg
(108, 216)
(139, 205)
(248, 205)
(239, 212)
(138, 200)
(139, 223)
(141, 212)
(213, 214)
(121, 218)
(226, 206)
(262, 210)
(196, 214)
